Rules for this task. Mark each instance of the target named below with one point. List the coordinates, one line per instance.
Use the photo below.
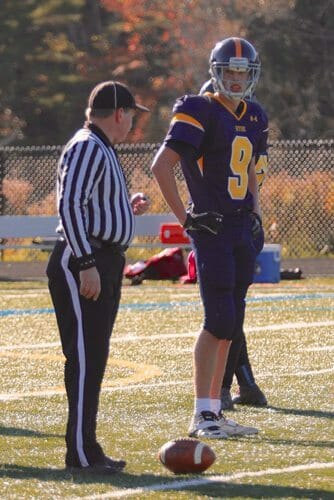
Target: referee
(86, 267)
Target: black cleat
(226, 399)
(107, 466)
(250, 395)
(118, 464)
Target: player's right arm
(184, 137)
(163, 170)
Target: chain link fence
(297, 196)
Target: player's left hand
(140, 203)
(256, 225)
(210, 222)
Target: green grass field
(147, 397)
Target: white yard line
(326, 348)
(162, 336)
(51, 391)
(188, 483)
(22, 347)
(290, 326)
(14, 396)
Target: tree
(39, 65)
(53, 52)
(297, 55)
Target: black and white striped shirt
(92, 195)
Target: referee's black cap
(113, 95)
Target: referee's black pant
(85, 328)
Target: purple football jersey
(223, 142)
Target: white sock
(202, 404)
(215, 405)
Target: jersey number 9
(241, 155)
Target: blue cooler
(268, 264)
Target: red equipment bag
(168, 264)
(191, 277)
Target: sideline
(169, 305)
(188, 483)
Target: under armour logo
(253, 118)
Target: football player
(216, 137)
(238, 361)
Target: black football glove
(207, 221)
(256, 225)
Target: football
(186, 455)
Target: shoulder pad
(207, 87)
(189, 101)
(193, 105)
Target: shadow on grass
(296, 411)
(15, 431)
(298, 442)
(123, 479)
(160, 483)
(231, 490)
(302, 413)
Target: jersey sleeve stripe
(184, 118)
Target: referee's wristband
(86, 262)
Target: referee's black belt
(113, 247)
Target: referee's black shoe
(105, 466)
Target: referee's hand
(140, 203)
(90, 283)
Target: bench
(42, 229)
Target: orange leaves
(17, 192)
(129, 9)
(134, 42)
(47, 206)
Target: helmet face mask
(238, 56)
